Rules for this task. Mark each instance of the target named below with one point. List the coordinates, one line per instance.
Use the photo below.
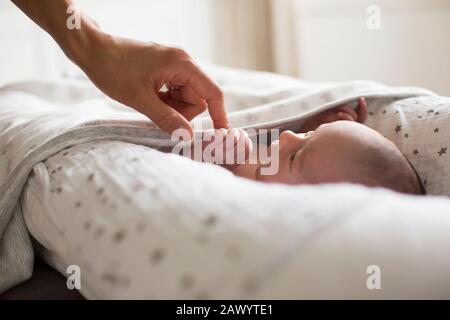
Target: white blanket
(39, 119)
(143, 224)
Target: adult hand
(133, 73)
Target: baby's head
(342, 151)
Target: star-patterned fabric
(420, 127)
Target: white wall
(411, 48)
(332, 39)
(27, 52)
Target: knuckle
(188, 64)
(219, 94)
(179, 53)
(203, 107)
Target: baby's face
(325, 155)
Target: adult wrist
(80, 44)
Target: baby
(332, 147)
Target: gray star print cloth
(420, 127)
(40, 119)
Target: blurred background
(313, 39)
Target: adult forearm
(129, 71)
(74, 32)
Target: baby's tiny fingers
(349, 110)
(362, 110)
(362, 102)
(345, 116)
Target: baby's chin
(263, 173)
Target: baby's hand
(344, 112)
(226, 147)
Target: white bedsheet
(40, 119)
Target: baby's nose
(291, 136)
(286, 134)
(289, 139)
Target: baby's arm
(344, 112)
